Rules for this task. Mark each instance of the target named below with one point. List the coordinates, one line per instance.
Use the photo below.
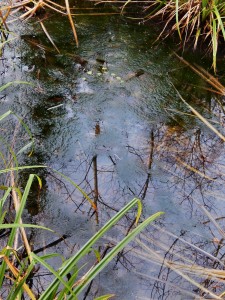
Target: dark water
(119, 135)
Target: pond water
(108, 116)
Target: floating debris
(100, 60)
(53, 107)
(135, 74)
(56, 98)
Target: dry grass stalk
(16, 203)
(13, 8)
(210, 79)
(18, 277)
(193, 20)
(71, 21)
(49, 37)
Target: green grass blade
(71, 263)
(205, 11)
(18, 225)
(28, 132)
(125, 4)
(92, 274)
(5, 114)
(56, 274)
(71, 281)
(77, 187)
(105, 297)
(2, 44)
(221, 25)
(16, 221)
(3, 266)
(12, 153)
(21, 122)
(19, 285)
(139, 212)
(5, 86)
(51, 255)
(21, 168)
(24, 148)
(24, 198)
(2, 216)
(2, 201)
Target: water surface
(108, 116)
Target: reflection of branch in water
(164, 268)
(62, 238)
(88, 290)
(100, 200)
(112, 160)
(150, 160)
(95, 186)
(95, 169)
(107, 248)
(124, 260)
(65, 187)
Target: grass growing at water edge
(63, 289)
(200, 21)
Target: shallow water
(98, 119)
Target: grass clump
(195, 21)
